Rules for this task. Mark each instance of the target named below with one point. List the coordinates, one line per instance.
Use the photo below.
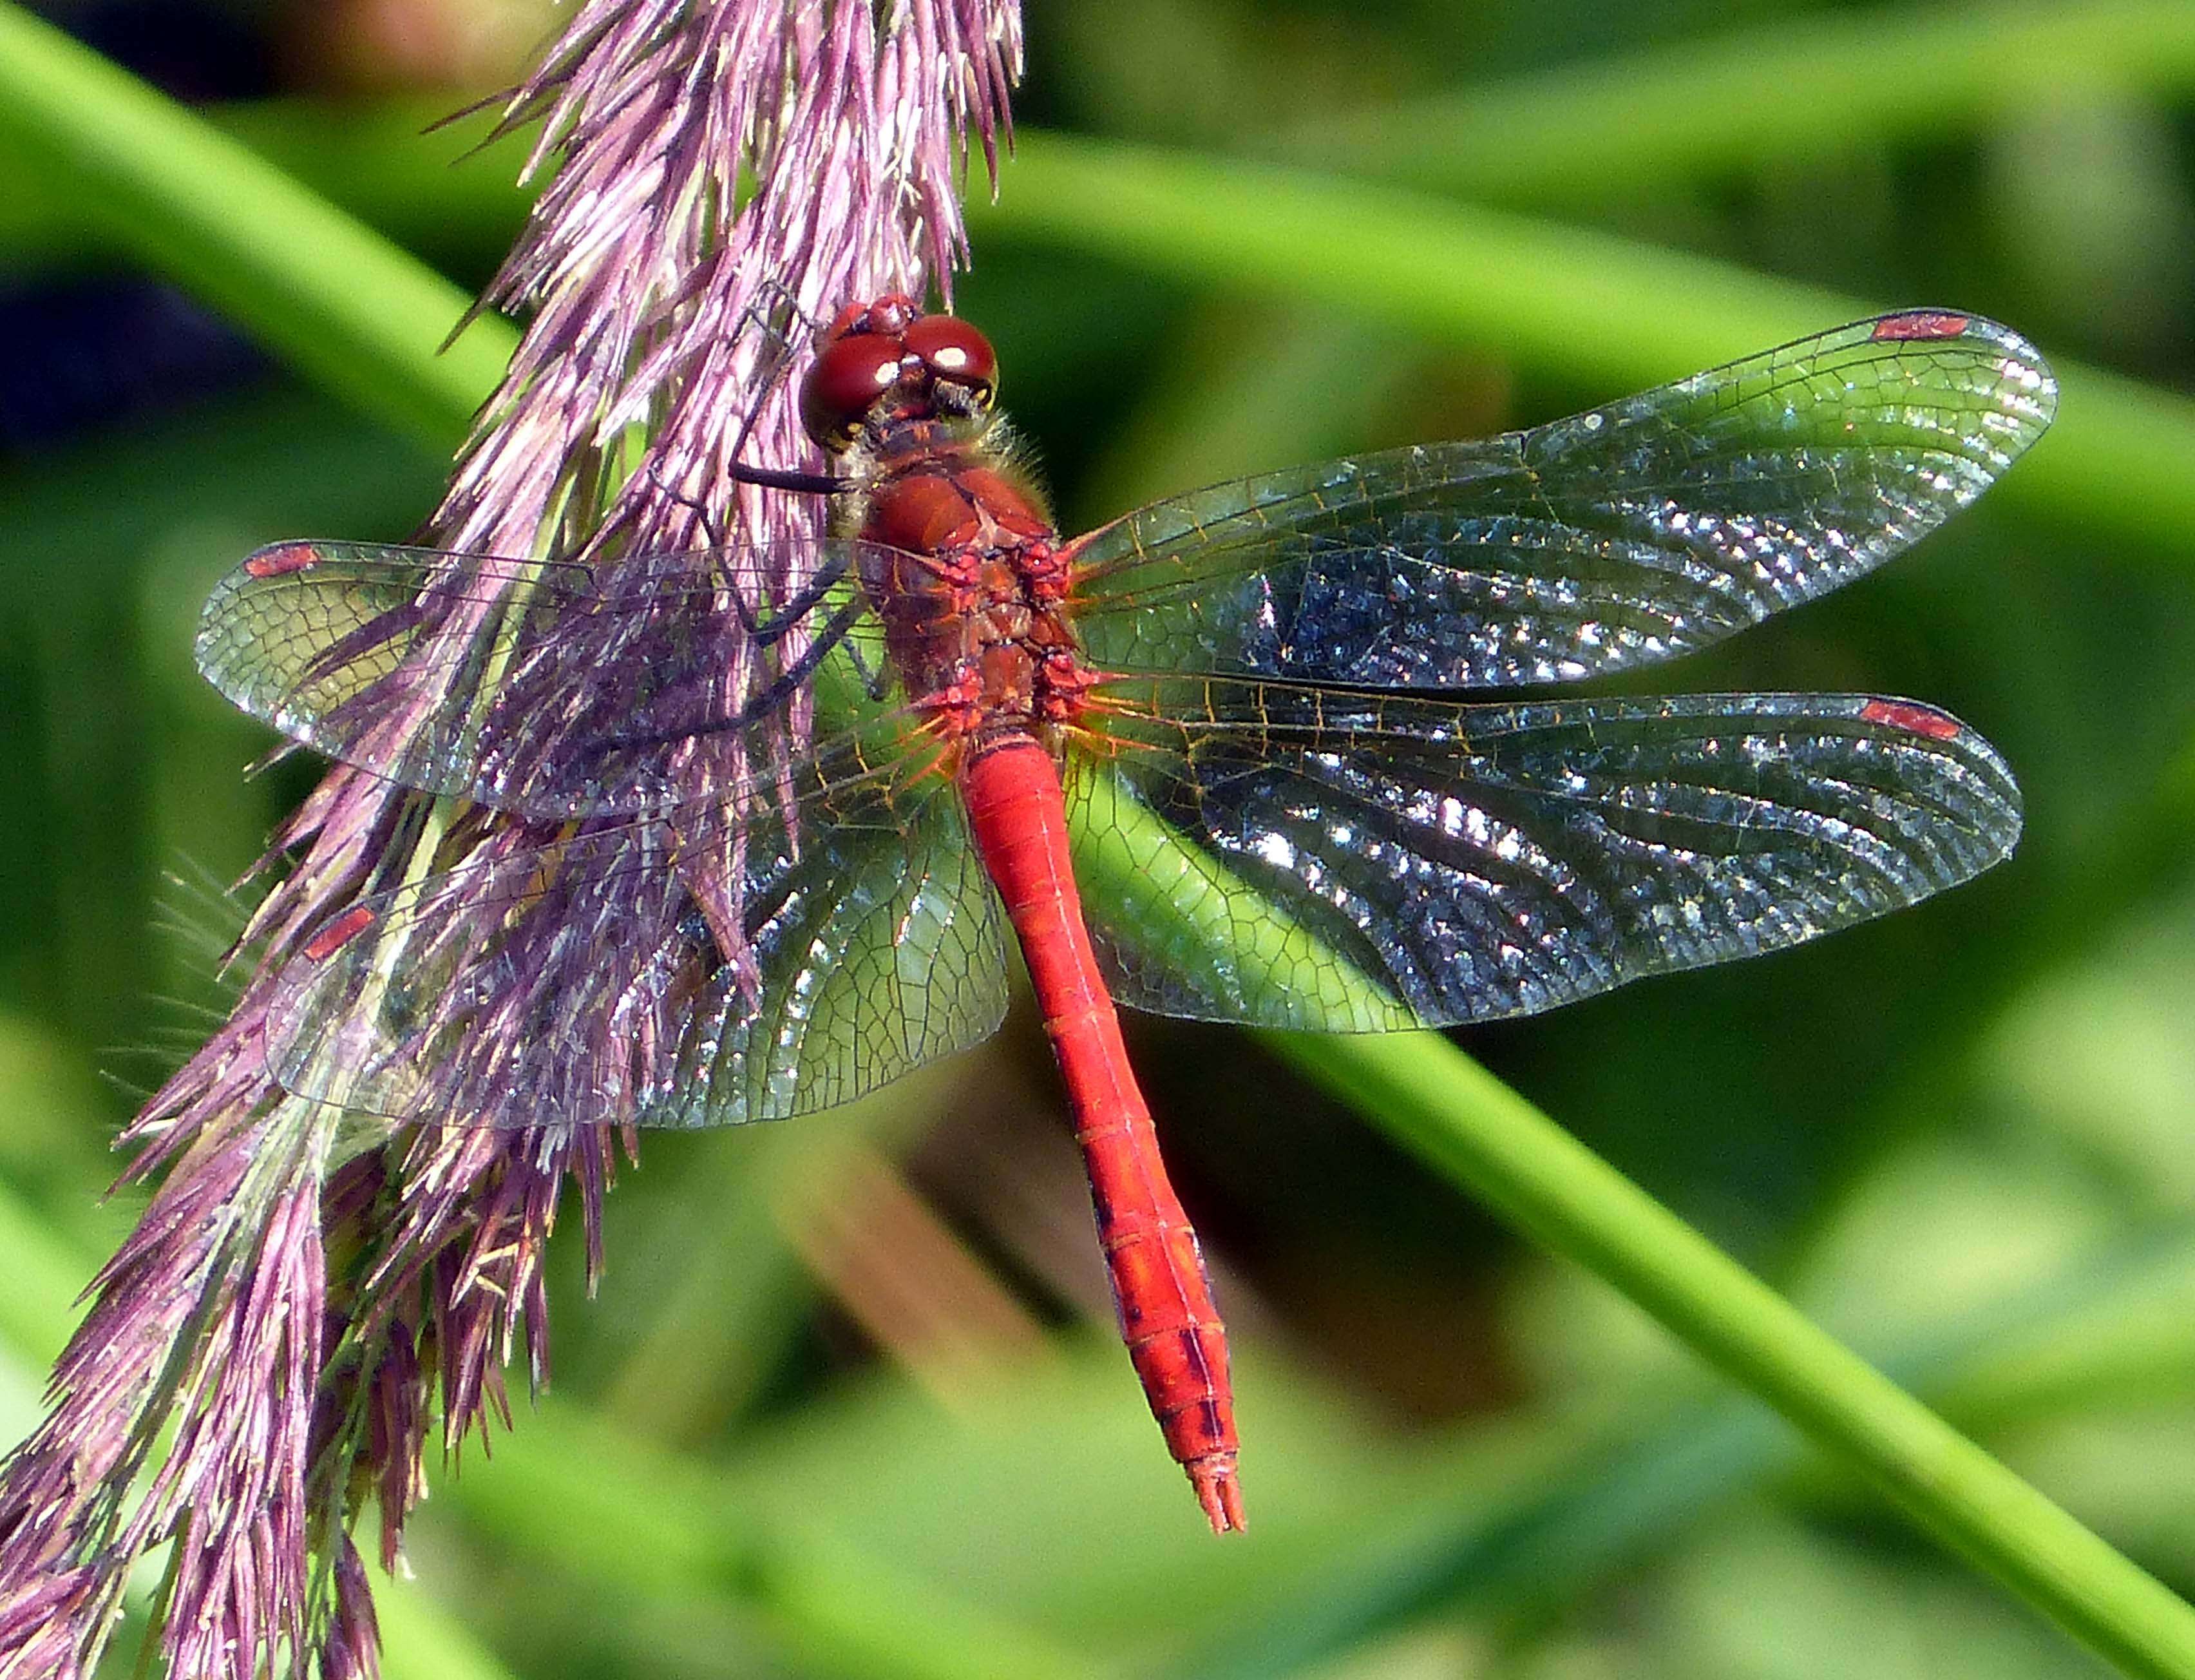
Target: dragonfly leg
(794, 610)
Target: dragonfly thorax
(970, 578)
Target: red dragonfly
(775, 809)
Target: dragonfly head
(888, 361)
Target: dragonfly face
(884, 364)
(1241, 709)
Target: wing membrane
(1613, 539)
(549, 691)
(1362, 862)
(662, 971)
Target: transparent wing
(686, 970)
(1647, 528)
(1360, 862)
(548, 690)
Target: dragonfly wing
(549, 689)
(1628, 535)
(606, 974)
(1350, 863)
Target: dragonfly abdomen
(1018, 818)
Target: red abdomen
(1178, 1346)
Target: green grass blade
(1603, 311)
(1802, 88)
(1628, 1483)
(1473, 1129)
(1583, 134)
(324, 291)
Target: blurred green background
(849, 1401)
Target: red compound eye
(941, 368)
(849, 375)
(955, 351)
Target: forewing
(1615, 538)
(1287, 858)
(549, 689)
(607, 974)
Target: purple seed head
(274, 1336)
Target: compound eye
(955, 353)
(849, 375)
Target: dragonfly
(742, 832)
